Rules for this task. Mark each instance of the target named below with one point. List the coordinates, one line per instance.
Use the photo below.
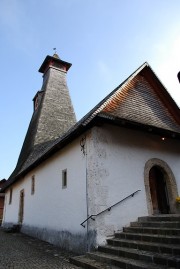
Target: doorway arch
(157, 176)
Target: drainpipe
(83, 144)
(87, 204)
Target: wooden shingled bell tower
(57, 113)
(53, 113)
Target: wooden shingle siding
(139, 102)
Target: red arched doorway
(158, 190)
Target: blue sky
(105, 40)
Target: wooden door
(21, 207)
(158, 190)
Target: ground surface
(19, 251)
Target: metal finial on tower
(55, 55)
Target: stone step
(146, 246)
(149, 243)
(159, 224)
(149, 237)
(136, 254)
(122, 262)
(152, 230)
(89, 263)
(168, 217)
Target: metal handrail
(108, 209)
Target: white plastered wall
(116, 161)
(52, 207)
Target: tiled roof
(140, 99)
(139, 102)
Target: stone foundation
(75, 242)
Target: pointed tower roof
(53, 111)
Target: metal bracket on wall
(82, 144)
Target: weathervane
(55, 55)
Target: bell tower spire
(53, 111)
(57, 113)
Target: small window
(64, 179)
(33, 185)
(10, 196)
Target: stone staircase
(150, 243)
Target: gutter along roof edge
(80, 129)
(125, 123)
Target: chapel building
(77, 183)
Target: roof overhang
(109, 119)
(50, 59)
(98, 120)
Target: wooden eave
(99, 120)
(47, 61)
(60, 145)
(103, 118)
